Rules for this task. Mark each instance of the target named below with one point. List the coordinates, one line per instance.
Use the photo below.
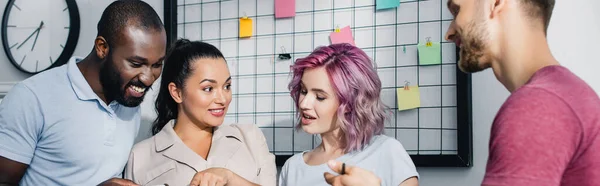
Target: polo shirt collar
(80, 85)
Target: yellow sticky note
(408, 99)
(245, 27)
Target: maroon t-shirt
(547, 133)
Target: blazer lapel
(171, 146)
(226, 142)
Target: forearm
(8, 184)
(11, 172)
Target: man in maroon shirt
(548, 130)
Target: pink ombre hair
(361, 114)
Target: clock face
(37, 33)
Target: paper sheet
(344, 36)
(245, 27)
(430, 55)
(285, 8)
(408, 99)
(386, 4)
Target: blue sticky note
(430, 55)
(386, 4)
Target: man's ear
(496, 7)
(175, 92)
(101, 47)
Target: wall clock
(39, 35)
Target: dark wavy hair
(177, 69)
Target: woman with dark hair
(337, 94)
(190, 143)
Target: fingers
(118, 181)
(329, 178)
(339, 167)
(216, 182)
(333, 180)
(131, 183)
(196, 179)
(210, 182)
(207, 179)
(220, 182)
(205, 182)
(336, 166)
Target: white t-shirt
(384, 156)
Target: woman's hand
(211, 177)
(117, 182)
(353, 176)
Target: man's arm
(11, 171)
(20, 124)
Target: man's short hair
(539, 10)
(120, 14)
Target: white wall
(574, 34)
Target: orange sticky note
(408, 99)
(245, 27)
(343, 36)
(285, 8)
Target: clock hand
(36, 35)
(23, 27)
(36, 30)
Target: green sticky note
(430, 55)
(386, 4)
(409, 98)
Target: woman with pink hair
(337, 94)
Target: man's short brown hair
(539, 10)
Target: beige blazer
(165, 159)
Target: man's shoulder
(47, 80)
(562, 83)
(37, 85)
(549, 87)
(534, 111)
(533, 101)
(553, 89)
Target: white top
(384, 156)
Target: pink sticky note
(344, 36)
(285, 8)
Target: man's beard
(473, 46)
(112, 85)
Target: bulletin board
(436, 134)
